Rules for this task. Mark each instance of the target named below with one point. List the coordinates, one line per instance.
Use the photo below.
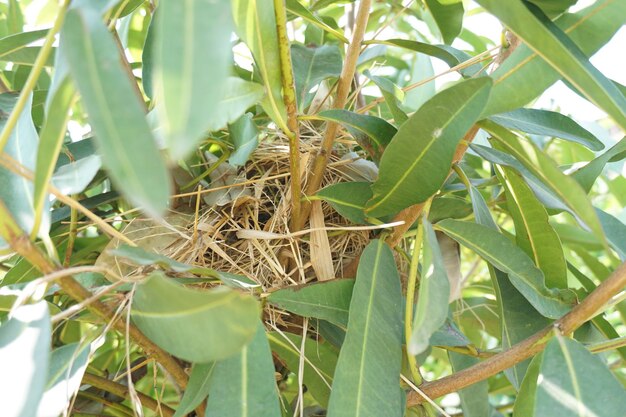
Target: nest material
(263, 203)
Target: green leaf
(525, 401)
(371, 132)
(255, 24)
(553, 45)
(369, 363)
(16, 192)
(187, 322)
(553, 7)
(319, 363)
(294, 6)
(239, 96)
(449, 18)
(565, 188)
(615, 231)
(116, 116)
(448, 207)
(548, 123)
(329, 300)
(417, 160)
(51, 139)
(244, 385)
(518, 318)
(197, 389)
(192, 58)
(74, 177)
(570, 382)
(244, 136)
(392, 94)
(525, 74)
(13, 43)
(313, 65)
(68, 363)
(348, 198)
(587, 175)
(431, 311)
(499, 251)
(24, 349)
(451, 56)
(533, 232)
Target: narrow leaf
(74, 177)
(496, 249)
(417, 160)
(371, 132)
(449, 18)
(125, 141)
(24, 349)
(348, 198)
(238, 97)
(187, 322)
(13, 43)
(325, 300)
(255, 23)
(192, 58)
(615, 231)
(392, 94)
(244, 136)
(431, 311)
(475, 398)
(533, 232)
(244, 385)
(294, 6)
(16, 192)
(197, 389)
(587, 175)
(313, 65)
(368, 369)
(527, 73)
(548, 123)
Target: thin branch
(289, 97)
(343, 89)
(123, 391)
(525, 349)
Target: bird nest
(240, 223)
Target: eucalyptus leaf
(74, 177)
(186, 322)
(366, 379)
(244, 385)
(431, 311)
(418, 158)
(449, 18)
(496, 249)
(255, 23)
(192, 58)
(197, 389)
(24, 349)
(548, 123)
(15, 42)
(125, 141)
(328, 300)
(348, 198)
(244, 135)
(615, 231)
(239, 95)
(586, 176)
(525, 74)
(312, 65)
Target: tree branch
(580, 314)
(123, 391)
(343, 89)
(19, 241)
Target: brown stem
(20, 243)
(343, 89)
(123, 391)
(525, 349)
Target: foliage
(483, 242)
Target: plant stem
(343, 89)
(525, 349)
(33, 76)
(20, 243)
(123, 391)
(410, 300)
(289, 97)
